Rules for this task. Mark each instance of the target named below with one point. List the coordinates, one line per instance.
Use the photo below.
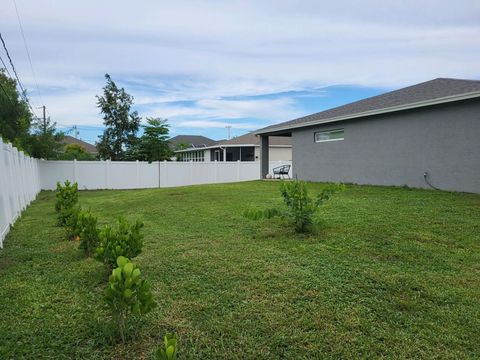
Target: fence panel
(91, 175)
(19, 185)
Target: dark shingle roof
(426, 91)
(89, 148)
(252, 139)
(192, 140)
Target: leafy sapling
(127, 294)
(71, 222)
(87, 232)
(300, 209)
(123, 240)
(66, 199)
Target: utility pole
(44, 121)
(228, 131)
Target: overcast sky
(205, 64)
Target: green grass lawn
(391, 273)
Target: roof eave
(226, 146)
(446, 99)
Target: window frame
(328, 131)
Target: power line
(5, 66)
(28, 52)
(16, 76)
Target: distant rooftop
(89, 148)
(249, 139)
(192, 141)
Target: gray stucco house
(420, 136)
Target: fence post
(15, 176)
(215, 170)
(74, 170)
(238, 170)
(4, 198)
(159, 173)
(165, 171)
(191, 173)
(138, 173)
(107, 173)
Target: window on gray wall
(330, 135)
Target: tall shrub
(66, 199)
(123, 240)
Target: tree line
(121, 139)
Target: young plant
(87, 232)
(71, 222)
(300, 208)
(127, 294)
(169, 349)
(123, 240)
(66, 199)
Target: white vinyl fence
(22, 177)
(19, 185)
(92, 175)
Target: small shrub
(87, 232)
(66, 199)
(300, 207)
(169, 349)
(127, 294)
(124, 240)
(71, 221)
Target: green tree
(121, 122)
(181, 146)
(153, 145)
(75, 151)
(46, 142)
(15, 116)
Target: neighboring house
(191, 141)
(423, 134)
(89, 148)
(243, 148)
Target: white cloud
(200, 124)
(205, 51)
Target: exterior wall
(396, 149)
(276, 153)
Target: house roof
(192, 140)
(252, 139)
(431, 92)
(249, 139)
(89, 148)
